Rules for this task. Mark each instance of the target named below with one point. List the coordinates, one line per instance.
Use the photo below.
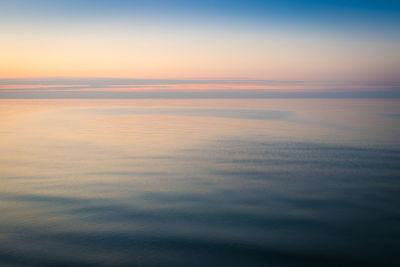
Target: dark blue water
(95, 186)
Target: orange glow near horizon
(184, 55)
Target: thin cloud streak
(139, 88)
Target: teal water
(200, 182)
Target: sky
(310, 40)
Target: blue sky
(270, 40)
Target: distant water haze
(106, 88)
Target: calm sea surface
(306, 182)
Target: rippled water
(200, 182)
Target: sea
(200, 182)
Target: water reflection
(167, 183)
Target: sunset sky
(309, 40)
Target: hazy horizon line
(192, 88)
